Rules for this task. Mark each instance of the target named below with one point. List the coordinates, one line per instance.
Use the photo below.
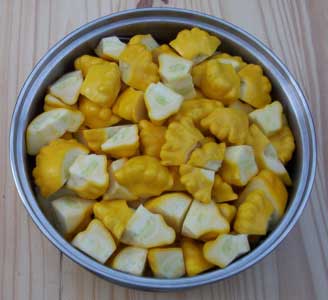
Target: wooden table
(32, 268)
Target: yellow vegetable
(147, 230)
(96, 241)
(228, 211)
(51, 102)
(53, 162)
(195, 44)
(114, 214)
(161, 102)
(183, 86)
(220, 82)
(227, 124)
(255, 88)
(235, 61)
(49, 126)
(225, 249)
(222, 191)
(181, 138)
(204, 221)
(72, 214)
(193, 257)
(115, 190)
(266, 155)
(273, 190)
(67, 136)
(110, 48)
(88, 176)
(130, 105)
(164, 48)
(209, 156)
(144, 39)
(166, 262)
(178, 186)
(197, 73)
(241, 106)
(198, 182)
(130, 260)
(253, 215)
(84, 62)
(268, 118)
(137, 68)
(67, 87)
(152, 138)
(102, 84)
(239, 165)
(144, 176)
(96, 116)
(172, 206)
(283, 142)
(196, 109)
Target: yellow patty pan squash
(84, 62)
(53, 162)
(162, 49)
(254, 214)
(110, 48)
(222, 191)
(228, 211)
(227, 124)
(178, 186)
(195, 44)
(152, 138)
(102, 83)
(181, 138)
(137, 68)
(144, 176)
(51, 102)
(146, 40)
(255, 88)
(235, 61)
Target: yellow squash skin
(222, 191)
(85, 62)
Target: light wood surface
(32, 268)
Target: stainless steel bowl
(164, 25)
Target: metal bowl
(164, 25)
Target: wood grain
(31, 268)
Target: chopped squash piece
(72, 214)
(239, 165)
(152, 138)
(195, 44)
(220, 82)
(222, 191)
(197, 73)
(181, 138)
(164, 48)
(115, 190)
(110, 48)
(266, 155)
(268, 118)
(67, 88)
(51, 102)
(273, 190)
(137, 68)
(144, 176)
(123, 141)
(130, 260)
(144, 39)
(173, 67)
(178, 186)
(204, 221)
(235, 61)
(228, 211)
(49, 126)
(225, 249)
(130, 105)
(241, 106)
(166, 262)
(88, 176)
(183, 86)
(147, 230)
(283, 142)
(227, 124)
(255, 88)
(96, 241)
(198, 182)
(193, 257)
(161, 102)
(114, 214)
(102, 84)
(253, 215)
(172, 206)
(209, 156)
(84, 62)
(53, 162)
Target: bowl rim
(147, 283)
